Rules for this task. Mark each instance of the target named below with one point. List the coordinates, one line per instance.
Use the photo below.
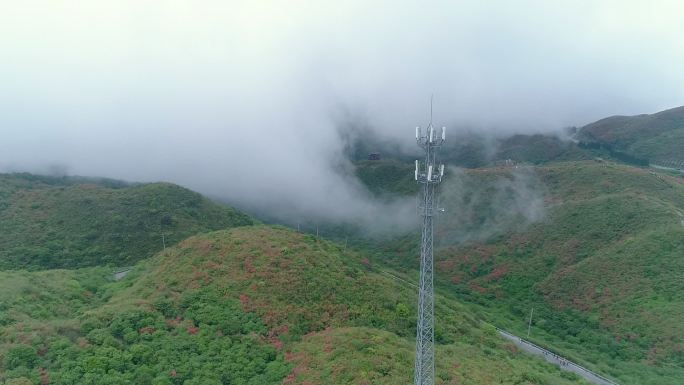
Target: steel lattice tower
(429, 176)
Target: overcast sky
(239, 99)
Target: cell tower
(429, 176)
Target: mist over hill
(233, 99)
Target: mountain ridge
(653, 137)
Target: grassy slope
(256, 305)
(656, 137)
(60, 222)
(603, 271)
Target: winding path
(553, 358)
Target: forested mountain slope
(50, 222)
(596, 248)
(251, 305)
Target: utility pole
(429, 175)
(161, 228)
(529, 325)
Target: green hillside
(656, 137)
(50, 222)
(596, 248)
(602, 265)
(251, 305)
(604, 269)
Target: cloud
(485, 203)
(241, 100)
